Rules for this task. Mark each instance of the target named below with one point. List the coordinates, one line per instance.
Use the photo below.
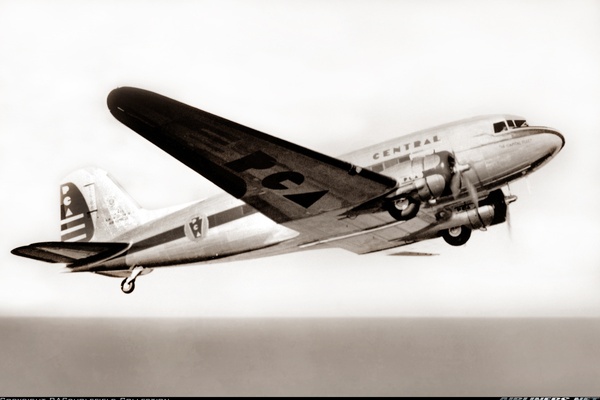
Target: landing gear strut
(128, 284)
(457, 236)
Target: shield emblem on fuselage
(196, 228)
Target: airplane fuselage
(225, 228)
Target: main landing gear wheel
(126, 287)
(404, 209)
(457, 236)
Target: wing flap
(385, 236)
(282, 180)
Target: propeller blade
(457, 177)
(455, 185)
(474, 198)
(508, 224)
(472, 191)
(528, 185)
(508, 200)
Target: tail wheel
(404, 209)
(127, 287)
(457, 236)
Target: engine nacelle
(491, 211)
(499, 202)
(430, 175)
(424, 178)
(474, 219)
(430, 187)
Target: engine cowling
(499, 203)
(429, 175)
(491, 211)
(424, 178)
(432, 174)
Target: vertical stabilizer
(93, 207)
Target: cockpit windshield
(520, 123)
(509, 124)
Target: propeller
(511, 198)
(458, 177)
(508, 224)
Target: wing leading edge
(282, 180)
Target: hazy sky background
(333, 76)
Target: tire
(457, 236)
(403, 212)
(127, 289)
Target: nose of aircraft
(543, 145)
(554, 141)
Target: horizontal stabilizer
(75, 254)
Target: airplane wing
(381, 232)
(282, 180)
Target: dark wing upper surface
(282, 180)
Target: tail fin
(93, 207)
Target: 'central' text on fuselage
(405, 147)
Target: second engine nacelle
(456, 229)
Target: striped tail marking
(76, 224)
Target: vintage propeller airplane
(281, 197)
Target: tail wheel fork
(128, 284)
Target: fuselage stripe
(214, 220)
(230, 215)
(161, 238)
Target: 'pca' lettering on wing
(275, 181)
